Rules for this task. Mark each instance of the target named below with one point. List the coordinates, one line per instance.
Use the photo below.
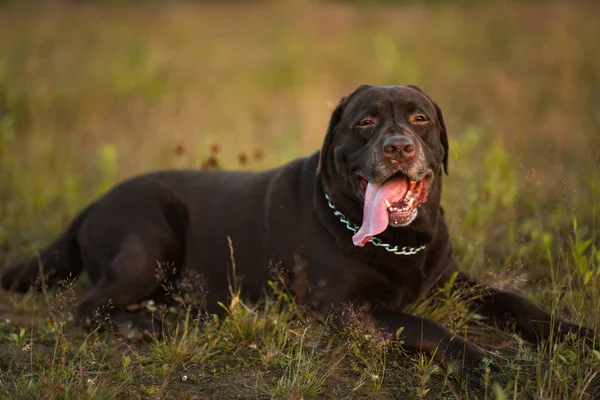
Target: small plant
(20, 339)
(125, 373)
(586, 256)
(304, 375)
(426, 368)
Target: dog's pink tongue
(375, 214)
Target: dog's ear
(442, 126)
(335, 119)
(418, 89)
(443, 135)
(336, 116)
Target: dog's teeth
(387, 203)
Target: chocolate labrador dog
(359, 222)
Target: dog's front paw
(481, 371)
(476, 366)
(571, 331)
(138, 327)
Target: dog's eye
(366, 122)
(419, 118)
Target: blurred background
(92, 92)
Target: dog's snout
(400, 148)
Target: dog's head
(382, 158)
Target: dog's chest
(404, 276)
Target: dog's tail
(61, 260)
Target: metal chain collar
(401, 251)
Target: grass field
(92, 93)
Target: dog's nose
(400, 148)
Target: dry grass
(93, 93)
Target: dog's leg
(427, 336)
(531, 321)
(128, 279)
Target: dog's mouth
(393, 202)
